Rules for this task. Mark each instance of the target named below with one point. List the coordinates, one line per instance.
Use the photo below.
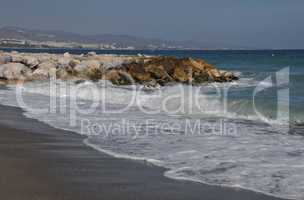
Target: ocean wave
(183, 100)
(259, 158)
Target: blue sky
(220, 23)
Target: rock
(113, 76)
(85, 65)
(152, 85)
(62, 74)
(47, 65)
(67, 55)
(94, 74)
(91, 64)
(30, 61)
(182, 74)
(14, 71)
(214, 73)
(198, 65)
(77, 82)
(158, 72)
(73, 63)
(90, 69)
(167, 63)
(92, 54)
(43, 74)
(201, 77)
(80, 68)
(44, 71)
(4, 59)
(118, 77)
(229, 76)
(17, 58)
(64, 62)
(138, 72)
(108, 64)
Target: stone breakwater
(120, 70)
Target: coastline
(42, 162)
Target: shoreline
(49, 163)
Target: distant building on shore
(55, 44)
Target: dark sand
(39, 162)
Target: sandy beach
(40, 162)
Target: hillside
(10, 36)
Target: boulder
(83, 66)
(64, 62)
(14, 71)
(168, 63)
(62, 74)
(214, 74)
(91, 54)
(152, 84)
(228, 76)
(4, 59)
(67, 55)
(201, 77)
(182, 74)
(80, 68)
(91, 69)
(118, 77)
(158, 72)
(30, 61)
(138, 72)
(44, 71)
(94, 74)
(80, 81)
(73, 63)
(47, 65)
(198, 64)
(17, 58)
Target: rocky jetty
(120, 70)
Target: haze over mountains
(10, 34)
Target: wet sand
(44, 163)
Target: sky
(217, 23)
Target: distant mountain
(119, 41)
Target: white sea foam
(117, 155)
(261, 157)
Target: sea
(246, 134)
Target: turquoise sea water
(263, 115)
